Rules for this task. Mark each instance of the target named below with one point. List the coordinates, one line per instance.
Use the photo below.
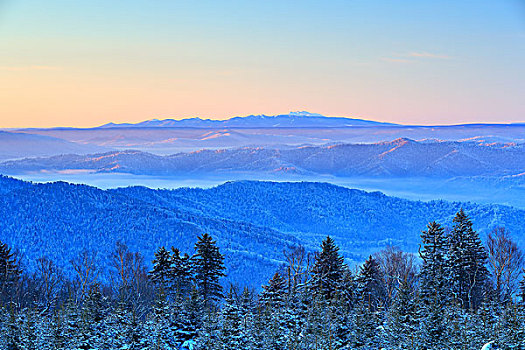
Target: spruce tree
(402, 320)
(93, 316)
(467, 259)
(159, 325)
(369, 284)
(210, 332)
(433, 253)
(231, 323)
(161, 273)
(273, 294)
(181, 273)
(9, 273)
(328, 270)
(365, 324)
(209, 268)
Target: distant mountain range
(398, 158)
(166, 137)
(290, 120)
(253, 222)
(14, 145)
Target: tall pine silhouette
(209, 268)
(467, 258)
(328, 269)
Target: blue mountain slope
(252, 221)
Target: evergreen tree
(9, 274)
(181, 273)
(159, 325)
(210, 332)
(365, 323)
(433, 253)
(487, 319)
(328, 269)
(273, 294)
(369, 284)
(161, 273)
(467, 259)
(194, 310)
(92, 326)
(231, 323)
(402, 321)
(433, 332)
(209, 267)
(246, 313)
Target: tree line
(456, 293)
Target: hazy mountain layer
(399, 158)
(15, 145)
(170, 136)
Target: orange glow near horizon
(74, 64)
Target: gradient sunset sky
(86, 63)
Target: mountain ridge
(399, 158)
(292, 119)
(253, 221)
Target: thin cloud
(397, 60)
(27, 68)
(428, 55)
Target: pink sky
(72, 64)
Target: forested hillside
(252, 221)
(462, 294)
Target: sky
(87, 63)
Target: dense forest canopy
(459, 294)
(252, 222)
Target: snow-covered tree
(369, 284)
(328, 270)
(209, 268)
(161, 272)
(467, 259)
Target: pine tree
(402, 320)
(365, 327)
(435, 286)
(161, 273)
(369, 284)
(121, 324)
(509, 330)
(92, 334)
(246, 313)
(328, 270)
(194, 311)
(231, 323)
(487, 319)
(57, 334)
(9, 273)
(72, 323)
(433, 253)
(433, 332)
(159, 324)
(273, 294)
(209, 268)
(209, 333)
(181, 273)
(467, 259)
(13, 333)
